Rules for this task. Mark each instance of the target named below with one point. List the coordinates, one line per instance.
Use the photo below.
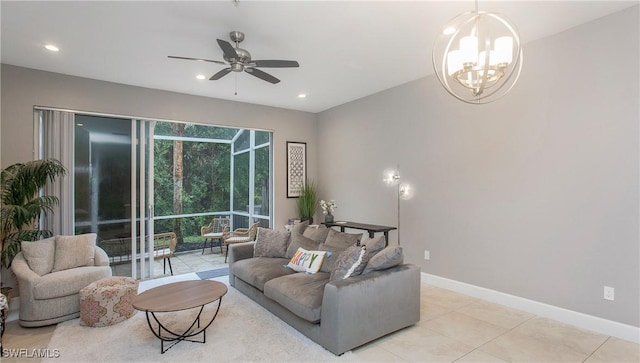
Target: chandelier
(477, 57)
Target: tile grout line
(595, 350)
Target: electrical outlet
(608, 293)
(427, 255)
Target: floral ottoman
(108, 301)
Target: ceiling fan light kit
(478, 57)
(239, 60)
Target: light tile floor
(453, 328)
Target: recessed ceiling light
(51, 47)
(201, 76)
(302, 95)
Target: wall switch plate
(427, 255)
(608, 293)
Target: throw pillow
(39, 254)
(297, 241)
(331, 257)
(299, 228)
(308, 261)
(74, 251)
(342, 239)
(271, 243)
(347, 263)
(318, 234)
(387, 258)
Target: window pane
(242, 143)
(241, 183)
(199, 131)
(262, 137)
(261, 193)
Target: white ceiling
(346, 50)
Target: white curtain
(57, 141)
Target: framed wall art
(296, 168)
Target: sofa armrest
(100, 257)
(23, 272)
(363, 308)
(237, 252)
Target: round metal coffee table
(178, 296)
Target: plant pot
(310, 219)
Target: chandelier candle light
(478, 57)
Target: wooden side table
(178, 296)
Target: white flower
(328, 207)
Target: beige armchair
(215, 231)
(239, 235)
(50, 274)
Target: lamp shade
(478, 57)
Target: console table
(371, 228)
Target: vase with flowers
(327, 210)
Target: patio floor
(182, 263)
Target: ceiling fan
(240, 60)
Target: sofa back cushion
(39, 254)
(271, 243)
(342, 239)
(354, 259)
(74, 251)
(387, 258)
(317, 233)
(298, 241)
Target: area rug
(210, 274)
(243, 331)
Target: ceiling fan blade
(197, 59)
(220, 74)
(262, 75)
(227, 49)
(275, 63)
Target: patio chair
(164, 245)
(214, 231)
(239, 235)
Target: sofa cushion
(347, 263)
(68, 282)
(331, 257)
(271, 243)
(354, 259)
(74, 251)
(300, 241)
(387, 258)
(318, 234)
(39, 254)
(306, 261)
(342, 239)
(258, 270)
(300, 293)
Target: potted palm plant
(308, 201)
(22, 205)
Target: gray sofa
(339, 315)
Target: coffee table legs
(165, 335)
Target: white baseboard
(581, 320)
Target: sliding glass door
(113, 198)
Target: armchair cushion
(67, 282)
(74, 251)
(39, 254)
(271, 243)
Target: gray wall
(535, 195)
(23, 88)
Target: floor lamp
(404, 190)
